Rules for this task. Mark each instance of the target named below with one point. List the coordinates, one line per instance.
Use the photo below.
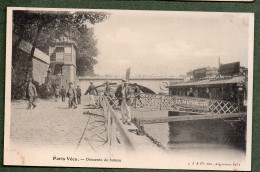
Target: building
(203, 72)
(63, 61)
(230, 85)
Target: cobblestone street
(50, 123)
(53, 125)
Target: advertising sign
(199, 73)
(229, 69)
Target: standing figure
(72, 95)
(57, 93)
(137, 94)
(107, 89)
(78, 95)
(108, 94)
(91, 91)
(190, 93)
(63, 93)
(32, 94)
(208, 94)
(123, 94)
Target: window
(59, 53)
(68, 50)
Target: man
(63, 94)
(78, 95)
(72, 95)
(32, 94)
(123, 94)
(91, 91)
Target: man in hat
(72, 95)
(123, 94)
(78, 95)
(32, 94)
(92, 91)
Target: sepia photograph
(128, 89)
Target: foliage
(41, 28)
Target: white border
(7, 147)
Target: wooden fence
(113, 124)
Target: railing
(112, 123)
(166, 102)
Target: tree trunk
(29, 73)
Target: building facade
(63, 61)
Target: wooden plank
(190, 118)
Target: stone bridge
(156, 84)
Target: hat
(124, 80)
(30, 79)
(91, 82)
(70, 83)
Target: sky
(169, 43)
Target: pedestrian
(72, 95)
(78, 95)
(123, 94)
(57, 93)
(32, 94)
(63, 93)
(92, 91)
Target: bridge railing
(169, 102)
(113, 124)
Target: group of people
(74, 95)
(123, 94)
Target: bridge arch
(115, 85)
(151, 84)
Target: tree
(41, 28)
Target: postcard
(128, 89)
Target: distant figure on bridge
(32, 94)
(123, 94)
(72, 95)
(92, 91)
(63, 93)
(78, 95)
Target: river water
(189, 140)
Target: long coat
(119, 95)
(32, 92)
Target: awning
(233, 80)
